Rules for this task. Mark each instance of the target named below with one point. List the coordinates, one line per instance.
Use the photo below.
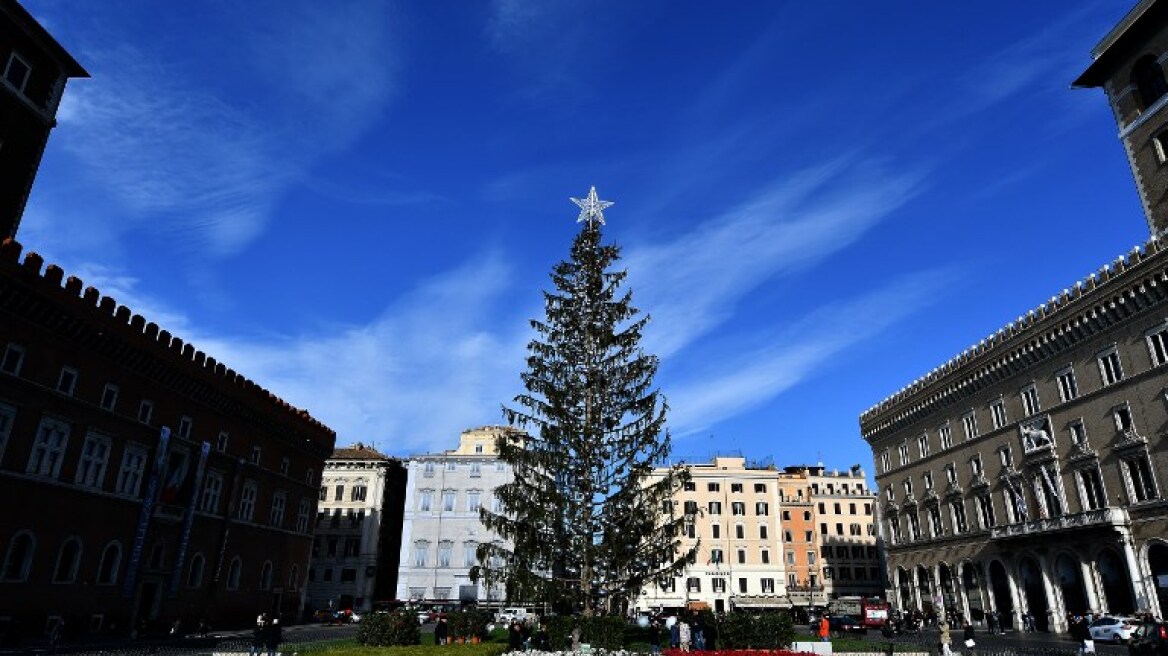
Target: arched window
(1148, 78)
(68, 560)
(294, 578)
(18, 558)
(195, 573)
(111, 563)
(266, 576)
(234, 573)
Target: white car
(1118, 629)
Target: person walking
(257, 637)
(946, 639)
(685, 635)
(655, 638)
(824, 629)
(441, 632)
(675, 633)
(969, 643)
(273, 636)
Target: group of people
(682, 634)
(266, 637)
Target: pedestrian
(55, 635)
(257, 637)
(685, 635)
(203, 628)
(946, 639)
(699, 634)
(1081, 632)
(655, 638)
(515, 636)
(273, 636)
(675, 633)
(992, 622)
(824, 629)
(441, 631)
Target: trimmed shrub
(741, 630)
(602, 632)
(389, 629)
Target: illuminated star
(591, 208)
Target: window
(284, 466)
(294, 578)
(951, 474)
(923, 445)
(445, 553)
(185, 424)
(145, 411)
(957, 511)
(1078, 433)
(428, 469)
(1160, 141)
(1110, 370)
(221, 444)
(738, 508)
(885, 461)
(496, 504)
(715, 531)
(736, 487)
(49, 449)
(742, 585)
(302, 516)
(67, 381)
(716, 557)
(1091, 494)
(823, 528)
(195, 572)
(234, 573)
(420, 549)
(17, 72)
(969, 424)
(1006, 457)
(339, 494)
(998, 413)
(110, 564)
(810, 557)
(1148, 79)
(94, 456)
(478, 448)
(309, 475)
(690, 486)
(13, 358)
(448, 500)
(808, 536)
(1138, 476)
(425, 499)
(109, 397)
(1068, 388)
(18, 557)
(130, 474)
(713, 487)
(768, 586)
(68, 561)
(476, 469)
(718, 584)
(761, 508)
(1158, 344)
(760, 488)
(903, 454)
(348, 575)
(766, 556)
(693, 584)
(1123, 419)
(276, 512)
(945, 435)
(470, 555)
(908, 487)
(360, 489)
(739, 531)
(247, 499)
(451, 465)
(1030, 403)
(474, 500)
(975, 466)
(715, 507)
(255, 456)
(914, 526)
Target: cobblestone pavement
(1023, 644)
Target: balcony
(1090, 519)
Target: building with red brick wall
(145, 481)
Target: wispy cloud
(692, 284)
(436, 362)
(208, 161)
(795, 352)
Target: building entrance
(1116, 583)
(1036, 601)
(1070, 580)
(1001, 592)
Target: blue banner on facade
(131, 579)
(189, 519)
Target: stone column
(987, 584)
(962, 593)
(1135, 572)
(1055, 608)
(1017, 596)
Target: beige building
(1028, 473)
(843, 508)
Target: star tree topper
(591, 208)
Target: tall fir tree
(584, 515)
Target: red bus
(871, 611)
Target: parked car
(508, 615)
(1149, 639)
(1116, 629)
(844, 624)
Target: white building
(441, 529)
(355, 542)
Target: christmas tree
(589, 516)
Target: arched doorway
(1116, 583)
(925, 585)
(1158, 566)
(1003, 602)
(948, 593)
(970, 582)
(1036, 601)
(1070, 580)
(902, 581)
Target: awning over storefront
(761, 601)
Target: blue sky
(357, 204)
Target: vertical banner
(144, 517)
(189, 519)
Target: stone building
(441, 529)
(844, 516)
(1027, 473)
(160, 484)
(358, 530)
(34, 71)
